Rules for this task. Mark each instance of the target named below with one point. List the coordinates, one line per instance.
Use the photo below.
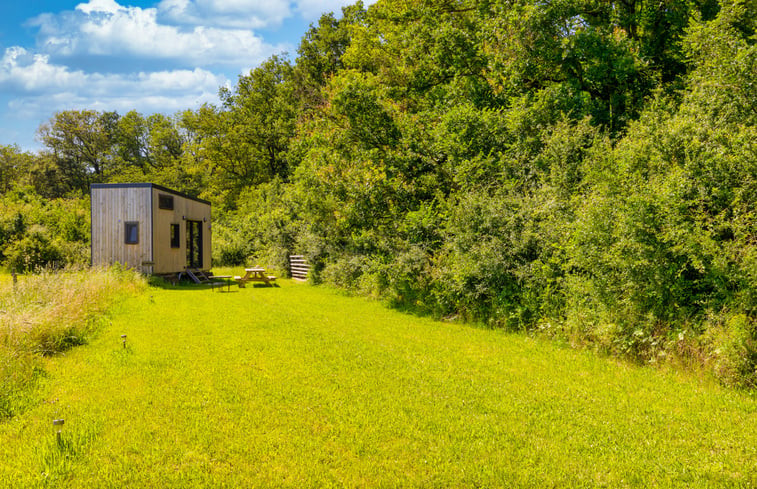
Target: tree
(321, 50)
(14, 167)
(131, 140)
(246, 141)
(145, 147)
(79, 142)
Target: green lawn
(302, 386)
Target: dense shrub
(259, 231)
(733, 349)
(38, 233)
(32, 252)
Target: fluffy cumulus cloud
(312, 9)
(22, 72)
(109, 6)
(45, 87)
(243, 14)
(103, 28)
(106, 55)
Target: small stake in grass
(123, 338)
(58, 422)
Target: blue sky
(151, 56)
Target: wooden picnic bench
(255, 274)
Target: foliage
(79, 141)
(258, 232)
(37, 233)
(32, 252)
(14, 167)
(733, 345)
(587, 169)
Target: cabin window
(132, 233)
(175, 243)
(165, 201)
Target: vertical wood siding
(171, 260)
(111, 209)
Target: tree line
(580, 168)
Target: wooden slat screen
(298, 267)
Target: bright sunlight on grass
(300, 386)
(45, 314)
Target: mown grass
(300, 386)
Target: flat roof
(147, 185)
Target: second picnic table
(255, 274)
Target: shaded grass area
(301, 386)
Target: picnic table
(255, 274)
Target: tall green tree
(246, 141)
(145, 147)
(321, 50)
(79, 143)
(14, 167)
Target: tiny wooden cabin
(150, 228)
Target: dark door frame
(194, 244)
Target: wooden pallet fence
(298, 267)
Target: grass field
(301, 386)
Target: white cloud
(312, 9)
(245, 14)
(43, 87)
(105, 55)
(29, 73)
(178, 32)
(105, 28)
(107, 6)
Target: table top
(254, 269)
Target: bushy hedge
(37, 233)
(538, 213)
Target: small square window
(175, 241)
(165, 201)
(132, 233)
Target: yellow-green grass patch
(300, 386)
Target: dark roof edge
(147, 185)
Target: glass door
(194, 244)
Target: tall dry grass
(47, 313)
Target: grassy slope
(300, 386)
(46, 314)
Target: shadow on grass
(188, 285)
(414, 305)
(185, 285)
(413, 309)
